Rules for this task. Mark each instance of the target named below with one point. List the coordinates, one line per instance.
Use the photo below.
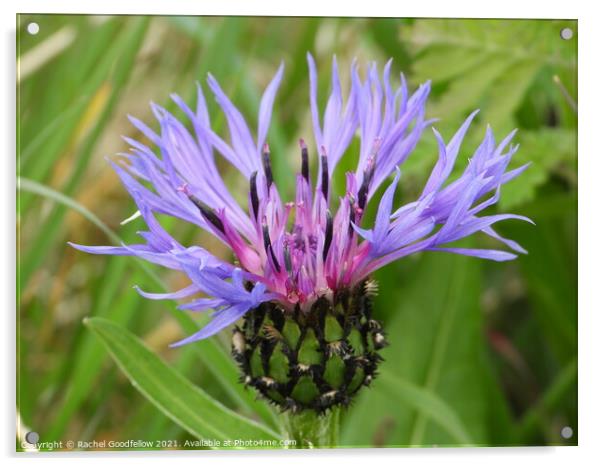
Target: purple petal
(508, 242)
(446, 162)
(221, 319)
(514, 173)
(112, 250)
(333, 110)
(472, 225)
(366, 234)
(313, 100)
(242, 141)
(201, 106)
(183, 293)
(395, 255)
(265, 108)
(491, 254)
(202, 304)
(383, 216)
(462, 205)
(411, 231)
(144, 129)
(165, 259)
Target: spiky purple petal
(297, 252)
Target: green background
(492, 345)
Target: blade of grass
(153, 426)
(420, 296)
(31, 186)
(79, 75)
(441, 342)
(44, 137)
(45, 51)
(53, 223)
(89, 353)
(209, 351)
(553, 396)
(426, 402)
(173, 394)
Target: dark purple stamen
(327, 235)
(207, 213)
(267, 244)
(362, 194)
(288, 264)
(304, 160)
(267, 165)
(324, 161)
(350, 230)
(254, 196)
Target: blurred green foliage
(481, 353)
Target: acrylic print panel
(298, 251)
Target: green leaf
(507, 93)
(426, 401)
(31, 186)
(464, 93)
(89, 355)
(487, 64)
(496, 66)
(107, 92)
(221, 365)
(172, 393)
(455, 345)
(548, 150)
(518, 40)
(457, 61)
(435, 329)
(550, 274)
(209, 351)
(538, 414)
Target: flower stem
(311, 430)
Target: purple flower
(296, 252)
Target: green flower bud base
(309, 429)
(313, 360)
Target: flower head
(318, 245)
